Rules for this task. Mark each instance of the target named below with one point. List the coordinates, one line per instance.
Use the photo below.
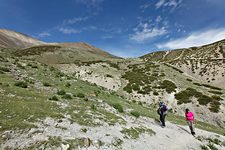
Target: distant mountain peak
(13, 39)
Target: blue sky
(126, 28)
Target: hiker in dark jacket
(162, 111)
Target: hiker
(162, 111)
(190, 120)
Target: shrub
(203, 147)
(93, 107)
(198, 84)
(214, 106)
(4, 69)
(118, 107)
(109, 76)
(135, 114)
(68, 84)
(54, 98)
(168, 85)
(184, 96)
(61, 92)
(189, 80)
(211, 87)
(80, 95)
(216, 92)
(212, 147)
(46, 84)
(67, 96)
(140, 103)
(155, 93)
(21, 84)
(204, 100)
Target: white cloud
(158, 19)
(68, 30)
(93, 3)
(76, 20)
(168, 3)
(44, 34)
(195, 39)
(149, 30)
(147, 34)
(145, 6)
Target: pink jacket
(189, 116)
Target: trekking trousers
(191, 126)
(162, 119)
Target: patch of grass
(204, 100)
(68, 84)
(198, 84)
(46, 84)
(109, 76)
(169, 86)
(80, 95)
(203, 147)
(118, 107)
(61, 92)
(216, 92)
(211, 87)
(21, 84)
(212, 147)
(135, 114)
(134, 132)
(215, 106)
(117, 142)
(184, 97)
(4, 69)
(67, 96)
(189, 80)
(215, 141)
(54, 98)
(155, 93)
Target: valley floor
(55, 134)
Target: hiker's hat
(161, 103)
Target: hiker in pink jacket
(190, 119)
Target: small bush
(93, 107)
(204, 100)
(54, 98)
(118, 107)
(46, 84)
(67, 96)
(189, 80)
(68, 84)
(21, 84)
(140, 103)
(216, 92)
(109, 76)
(169, 86)
(135, 114)
(203, 147)
(155, 93)
(211, 87)
(61, 92)
(212, 147)
(80, 95)
(4, 69)
(198, 84)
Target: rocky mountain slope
(12, 39)
(205, 63)
(76, 96)
(43, 108)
